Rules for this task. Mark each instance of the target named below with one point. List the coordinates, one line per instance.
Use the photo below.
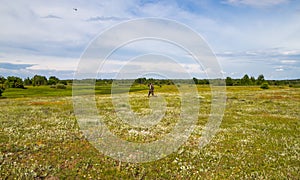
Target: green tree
(252, 80)
(229, 81)
(53, 80)
(203, 81)
(140, 80)
(27, 81)
(64, 82)
(245, 80)
(14, 82)
(195, 80)
(38, 80)
(166, 81)
(2, 81)
(19, 83)
(1, 91)
(260, 79)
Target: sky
(247, 36)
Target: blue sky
(248, 36)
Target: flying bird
(75, 9)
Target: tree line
(252, 81)
(244, 81)
(39, 80)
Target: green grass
(37, 91)
(258, 137)
(47, 91)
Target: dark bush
(1, 91)
(264, 86)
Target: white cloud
(289, 61)
(52, 17)
(151, 64)
(256, 3)
(279, 69)
(53, 28)
(290, 52)
(108, 18)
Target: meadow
(258, 137)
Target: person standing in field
(151, 90)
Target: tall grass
(258, 137)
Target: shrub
(64, 82)
(1, 91)
(264, 86)
(60, 86)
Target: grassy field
(258, 139)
